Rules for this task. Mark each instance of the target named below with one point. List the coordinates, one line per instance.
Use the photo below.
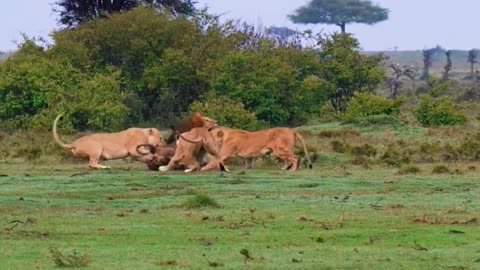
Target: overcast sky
(413, 24)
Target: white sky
(413, 24)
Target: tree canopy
(339, 12)
(145, 66)
(74, 12)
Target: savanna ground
(347, 213)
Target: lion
(164, 153)
(250, 145)
(194, 148)
(185, 125)
(108, 146)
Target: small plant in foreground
(200, 200)
(69, 260)
(246, 254)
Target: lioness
(192, 147)
(250, 145)
(164, 153)
(111, 145)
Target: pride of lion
(195, 144)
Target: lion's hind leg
(93, 162)
(94, 153)
(288, 157)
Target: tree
(427, 63)
(283, 32)
(448, 67)
(395, 79)
(472, 59)
(74, 12)
(347, 70)
(339, 12)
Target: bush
(366, 104)
(346, 69)
(437, 111)
(34, 88)
(227, 112)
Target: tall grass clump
(200, 200)
(69, 260)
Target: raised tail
(300, 138)
(55, 135)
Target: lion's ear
(220, 134)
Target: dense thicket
(74, 12)
(145, 66)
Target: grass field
(335, 216)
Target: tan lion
(162, 154)
(108, 146)
(194, 148)
(250, 145)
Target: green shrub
(437, 111)
(280, 84)
(366, 104)
(346, 69)
(227, 112)
(34, 88)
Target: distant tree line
(149, 65)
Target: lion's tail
(55, 135)
(300, 138)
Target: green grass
(332, 217)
